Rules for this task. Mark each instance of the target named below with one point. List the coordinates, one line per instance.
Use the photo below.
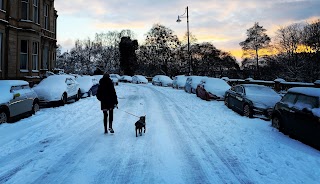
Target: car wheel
(35, 107)
(89, 93)
(78, 96)
(277, 123)
(247, 111)
(207, 97)
(3, 117)
(64, 99)
(226, 102)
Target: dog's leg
(136, 132)
(144, 129)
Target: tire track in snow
(124, 165)
(226, 158)
(196, 173)
(9, 174)
(59, 172)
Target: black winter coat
(106, 93)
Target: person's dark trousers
(105, 119)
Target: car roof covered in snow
(310, 91)
(13, 82)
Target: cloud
(223, 23)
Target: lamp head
(178, 20)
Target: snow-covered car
(161, 80)
(179, 81)
(88, 85)
(139, 79)
(252, 100)
(116, 75)
(192, 83)
(126, 78)
(58, 88)
(98, 77)
(114, 79)
(16, 98)
(298, 114)
(212, 88)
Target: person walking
(107, 95)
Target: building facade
(27, 38)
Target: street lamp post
(179, 20)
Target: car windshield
(261, 90)
(164, 78)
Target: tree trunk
(257, 58)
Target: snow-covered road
(187, 140)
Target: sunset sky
(221, 22)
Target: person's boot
(111, 130)
(105, 131)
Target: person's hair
(106, 75)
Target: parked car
(298, 114)
(161, 80)
(116, 75)
(252, 100)
(114, 79)
(88, 85)
(179, 81)
(126, 78)
(139, 79)
(192, 83)
(58, 88)
(212, 88)
(16, 98)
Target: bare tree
(256, 39)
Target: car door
(232, 96)
(18, 103)
(304, 121)
(285, 105)
(201, 90)
(239, 97)
(30, 96)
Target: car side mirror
(16, 95)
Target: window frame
(25, 54)
(1, 52)
(35, 5)
(26, 3)
(45, 57)
(46, 16)
(35, 56)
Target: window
(45, 57)
(305, 101)
(25, 10)
(239, 89)
(1, 4)
(24, 55)
(35, 50)
(46, 16)
(35, 11)
(0, 51)
(289, 98)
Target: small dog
(141, 123)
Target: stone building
(27, 38)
